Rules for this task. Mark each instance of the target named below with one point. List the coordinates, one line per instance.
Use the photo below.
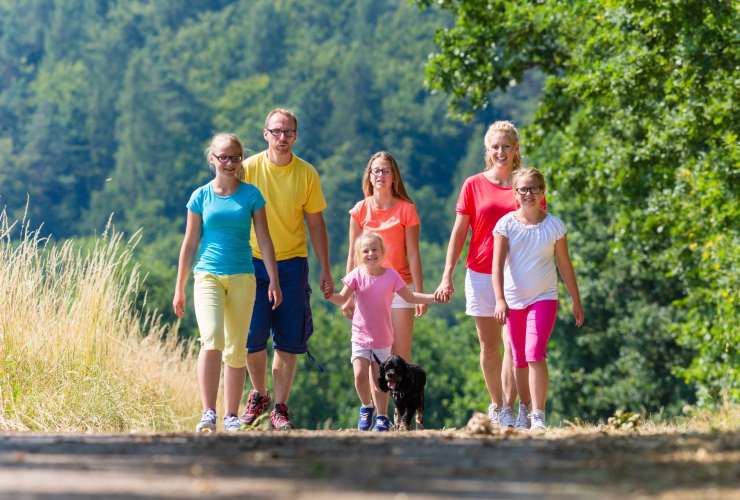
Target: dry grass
(75, 353)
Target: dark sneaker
(256, 406)
(279, 418)
(382, 424)
(365, 422)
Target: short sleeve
(358, 212)
(195, 204)
(465, 205)
(502, 226)
(258, 199)
(410, 216)
(315, 201)
(350, 280)
(560, 229)
(398, 282)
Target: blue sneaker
(382, 424)
(365, 422)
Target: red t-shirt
(485, 203)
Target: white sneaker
(232, 424)
(493, 414)
(207, 421)
(506, 417)
(538, 420)
(522, 419)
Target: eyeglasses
(228, 158)
(533, 190)
(377, 172)
(287, 132)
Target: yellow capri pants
(223, 309)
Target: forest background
(628, 108)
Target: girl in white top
(528, 244)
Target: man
(292, 191)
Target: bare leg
(361, 368)
(257, 368)
(489, 336)
(233, 388)
(507, 372)
(283, 371)
(403, 332)
(209, 371)
(538, 381)
(380, 397)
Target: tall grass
(75, 355)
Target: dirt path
(347, 464)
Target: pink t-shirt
(371, 323)
(485, 203)
(391, 225)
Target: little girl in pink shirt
(372, 330)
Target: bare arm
(454, 248)
(500, 252)
(562, 259)
(341, 297)
(348, 308)
(188, 248)
(320, 242)
(274, 294)
(416, 297)
(414, 256)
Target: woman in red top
(485, 198)
(388, 211)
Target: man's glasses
(533, 190)
(287, 132)
(228, 158)
(377, 172)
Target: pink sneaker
(256, 406)
(279, 418)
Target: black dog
(405, 382)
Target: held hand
(421, 309)
(444, 291)
(500, 312)
(326, 283)
(578, 313)
(178, 304)
(348, 309)
(274, 295)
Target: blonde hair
(528, 173)
(229, 138)
(509, 130)
(398, 190)
(365, 237)
(282, 111)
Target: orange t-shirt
(391, 225)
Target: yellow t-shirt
(289, 190)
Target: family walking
(247, 244)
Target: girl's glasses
(533, 190)
(228, 158)
(377, 172)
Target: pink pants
(529, 331)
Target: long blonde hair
(397, 188)
(509, 130)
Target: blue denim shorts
(290, 324)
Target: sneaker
(279, 418)
(493, 414)
(207, 421)
(365, 422)
(256, 406)
(382, 424)
(232, 424)
(506, 417)
(538, 420)
(522, 419)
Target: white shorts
(480, 300)
(359, 351)
(399, 303)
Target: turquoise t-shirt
(224, 243)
